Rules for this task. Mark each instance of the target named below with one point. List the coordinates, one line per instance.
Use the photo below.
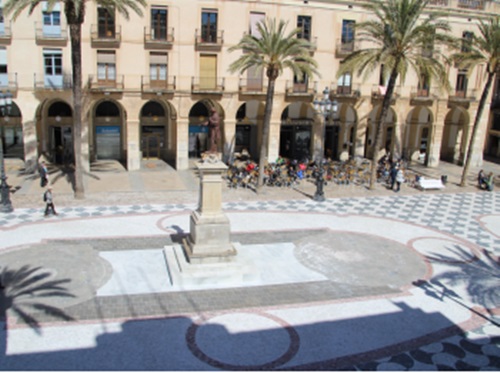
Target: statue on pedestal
(213, 124)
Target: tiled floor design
(456, 214)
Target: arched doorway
(199, 136)
(388, 133)
(60, 133)
(248, 128)
(454, 136)
(153, 131)
(417, 135)
(296, 132)
(11, 133)
(108, 131)
(340, 133)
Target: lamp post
(324, 107)
(5, 106)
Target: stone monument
(209, 237)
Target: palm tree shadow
(20, 292)
(480, 275)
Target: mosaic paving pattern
(456, 214)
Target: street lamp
(5, 106)
(324, 107)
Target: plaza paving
(367, 280)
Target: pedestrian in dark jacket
(49, 202)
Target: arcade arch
(157, 132)
(249, 125)
(199, 140)
(11, 133)
(388, 133)
(296, 132)
(418, 128)
(453, 143)
(108, 131)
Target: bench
(424, 184)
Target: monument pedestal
(209, 236)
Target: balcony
(345, 91)
(50, 35)
(162, 38)
(8, 82)
(252, 86)
(463, 95)
(313, 44)
(105, 38)
(422, 95)
(345, 48)
(471, 4)
(5, 33)
(52, 82)
(464, 4)
(207, 85)
(300, 90)
(157, 86)
(378, 91)
(209, 41)
(106, 85)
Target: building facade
(150, 81)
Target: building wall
(443, 114)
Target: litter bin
(444, 179)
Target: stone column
(436, 138)
(209, 237)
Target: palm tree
(273, 51)
(482, 49)
(75, 16)
(401, 39)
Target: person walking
(400, 178)
(48, 198)
(393, 173)
(44, 174)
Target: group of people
(397, 176)
(485, 182)
(47, 195)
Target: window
(106, 66)
(208, 71)
(53, 68)
(2, 24)
(158, 68)
(467, 38)
(51, 19)
(304, 24)
(159, 18)
(255, 75)
(423, 86)
(209, 26)
(4, 79)
(461, 86)
(106, 23)
(344, 84)
(348, 31)
(300, 84)
(256, 18)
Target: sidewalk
(396, 281)
(109, 183)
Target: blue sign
(198, 129)
(107, 130)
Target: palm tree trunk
(475, 128)
(386, 103)
(265, 132)
(76, 59)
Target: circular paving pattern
(239, 344)
(355, 259)
(76, 269)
